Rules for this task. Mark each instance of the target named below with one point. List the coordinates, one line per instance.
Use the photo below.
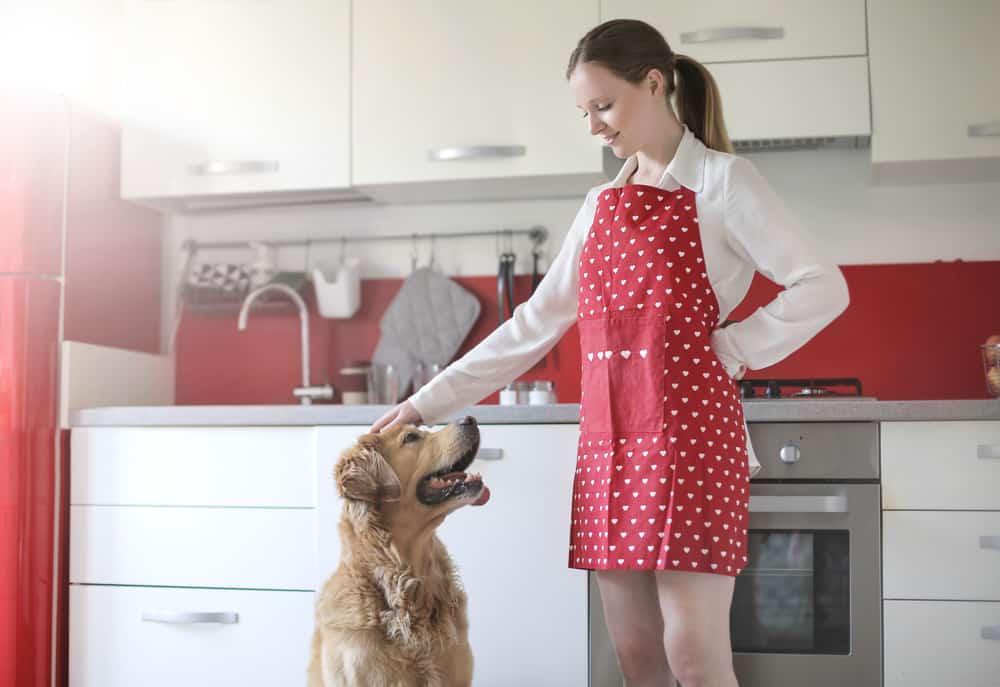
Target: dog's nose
(467, 420)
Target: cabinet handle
(986, 451)
(189, 617)
(798, 504)
(990, 632)
(984, 129)
(990, 542)
(733, 33)
(473, 152)
(237, 167)
(490, 454)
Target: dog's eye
(410, 436)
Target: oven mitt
(426, 322)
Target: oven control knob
(789, 454)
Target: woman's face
(624, 115)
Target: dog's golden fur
(393, 613)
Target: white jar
(508, 395)
(542, 393)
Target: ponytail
(699, 105)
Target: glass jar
(354, 383)
(543, 392)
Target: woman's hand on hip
(404, 414)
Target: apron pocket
(622, 382)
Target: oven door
(807, 608)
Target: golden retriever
(393, 613)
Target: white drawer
(936, 643)
(941, 465)
(110, 645)
(941, 555)
(251, 548)
(192, 466)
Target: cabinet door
(738, 31)
(452, 90)
(193, 466)
(528, 611)
(120, 637)
(940, 465)
(935, 643)
(235, 96)
(934, 72)
(248, 548)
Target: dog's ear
(362, 474)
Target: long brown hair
(629, 48)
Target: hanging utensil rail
(537, 234)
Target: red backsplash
(912, 331)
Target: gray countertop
(830, 410)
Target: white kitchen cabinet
(786, 69)
(235, 97)
(528, 612)
(934, 72)
(472, 94)
(941, 552)
(180, 520)
(936, 643)
(181, 466)
(733, 31)
(119, 637)
(940, 465)
(246, 548)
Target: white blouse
(744, 227)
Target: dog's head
(411, 475)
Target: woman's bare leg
(697, 636)
(632, 613)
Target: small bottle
(542, 393)
(508, 395)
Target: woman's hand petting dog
(404, 413)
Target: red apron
(662, 481)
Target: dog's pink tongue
(483, 497)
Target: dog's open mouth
(452, 482)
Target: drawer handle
(733, 33)
(990, 632)
(985, 129)
(991, 542)
(987, 451)
(798, 504)
(474, 152)
(490, 454)
(234, 167)
(190, 617)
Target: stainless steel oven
(807, 608)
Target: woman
(653, 263)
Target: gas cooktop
(818, 388)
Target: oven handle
(798, 504)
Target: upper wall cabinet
(235, 97)
(728, 31)
(472, 94)
(934, 70)
(763, 55)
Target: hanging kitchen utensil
(505, 287)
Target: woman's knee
(639, 656)
(697, 659)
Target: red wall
(912, 331)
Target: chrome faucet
(305, 393)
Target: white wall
(830, 191)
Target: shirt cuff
(726, 353)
